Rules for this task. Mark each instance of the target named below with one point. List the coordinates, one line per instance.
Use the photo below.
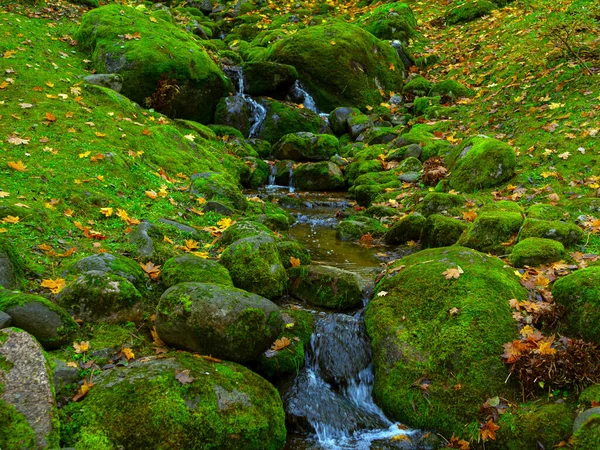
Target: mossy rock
(480, 163)
(390, 21)
(242, 229)
(268, 78)
(285, 118)
(451, 89)
(404, 151)
(110, 263)
(566, 233)
(214, 186)
(468, 10)
(544, 211)
(442, 231)
(365, 194)
(590, 396)
(435, 332)
(417, 86)
(348, 73)
(410, 164)
(12, 266)
(532, 425)
(234, 112)
(438, 202)
(190, 268)
(289, 249)
(534, 252)
(587, 436)
(358, 124)
(225, 406)
(380, 211)
(51, 325)
(494, 226)
(338, 119)
(422, 104)
(408, 228)
(326, 287)
(162, 50)
(352, 230)
(276, 222)
(254, 265)
(217, 320)
(319, 176)
(579, 293)
(357, 168)
(98, 296)
(260, 172)
(304, 146)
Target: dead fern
(433, 171)
(166, 90)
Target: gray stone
(583, 416)
(142, 236)
(64, 375)
(8, 278)
(179, 226)
(338, 119)
(113, 264)
(221, 321)
(108, 80)
(5, 320)
(410, 177)
(218, 208)
(26, 385)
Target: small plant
(166, 90)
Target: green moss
(442, 231)
(417, 86)
(408, 228)
(304, 146)
(480, 163)
(266, 78)
(320, 176)
(438, 202)
(288, 249)
(161, 50)
(215, 186)
(354, 229)
(286, 118)
(242, 229)
(536, 251)
(15, 258)
(390, 21)
(492, 228)
(579, 293)
(587, 437)
(146, 407)
(566, 233)
(343, 74)
(450, 88)
(358, 168)
(417, 341)
(545, 212)
(186, 268)
(468, 10)
(590, 395)
(15, 431)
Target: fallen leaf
(11, 219)
(183, 376)
(50, 117)
(83, 390)
(295, 262)
(18, 166)
(280, 344)
(55, 285)
(81, 347)
(382, 293)
(488, 431)
(128, 353)
(152, 270)
(453, 272)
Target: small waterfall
(299, 95)
(272, 173)
(257, 111)
(291, 172)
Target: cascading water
(299, 95)
(257, 111)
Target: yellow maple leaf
(201, 200)
(225, 223)
(280, 344)
(84, 154)
(128, 353)
(55, 286)
(18, 166)
(106, 211)
(81, 347)
(11, 219)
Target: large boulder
(390, 21)
(254, 265)
(320, 176)
(437, 339)
(479, 163)
(178, 402)
(153, 57)
(579, 294)
(190, 268)
(215, 186)
(221, 321)
(51, 325)
(284, 118)
(326, 286)
(28, 416)
(304, 146)
(566, 233)
(267, 78)
(340, 64)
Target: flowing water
(257, 111)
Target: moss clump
(566, 233)
(226, 406)
(110, 263)
(438, 202)
(587, 437)
(267, 78)
(242, 229)
(289, 249)
(536, 251)
(11, 280)
(531, 425)
(286, 118)
(358, 168)
(442, 231)
(579, 293)
(417, 340)
(480, 163)
(545, 212)
(390, 21)
(408, 228)
(192, 268)
(468, 10)
(305, 146)
(351, 230)
(254, 265)
(320, 176)
(494, 226)
(343, 74)
(451, 89)
(15, 431)
(422, 104)
(215, 186)
(417, 86)
(590, 395)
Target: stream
(329, 405)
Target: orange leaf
(18, 166)
(127, 353)
(146, 132)
(152, 270)
(280, 344)
(55, 285)
(295, 262)
(488, 431)
(50, 117)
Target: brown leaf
(152, 270)
(50, 117)
(83, 390)
(453, 272)
(280, 344)
(183, 376)
(488, 431)
(295, 262)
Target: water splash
(258, 112)
(299, 95)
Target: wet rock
(108, 80)
(234, 112)
(51, 325)
(338, 119)
(358, 124)
(404, 152)
(221, 321)
(190, 268)
(98, 296)
(268, 78)
(326, 286)
(29, 418)
(321, 176)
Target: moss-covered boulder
(51, 325)
(242, 229)
(354, 229)
(190, 268)
(390, 21)
(293, 249)
(340, 64)
(28, 416)
(417, 86)
(221, 405)
(325, 286)
(98, 296)
(480, 163)
(495, 227)
(338, 119)
(306, 146)
(451, 89)
(320, 176)
(254, 265)
(586, 430)
(579, 293)
(110, 263)
(215, 186)
(442, 231)
(536, 251)
(221, 321)
(544, 211)
(566, 233)
(440, 203)
(532, 425)
(468, 10)
(153, 56)
(408, 228)
(11, 266)
(436, 340)
(357, 168)
(284, 118)
(268, 78)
